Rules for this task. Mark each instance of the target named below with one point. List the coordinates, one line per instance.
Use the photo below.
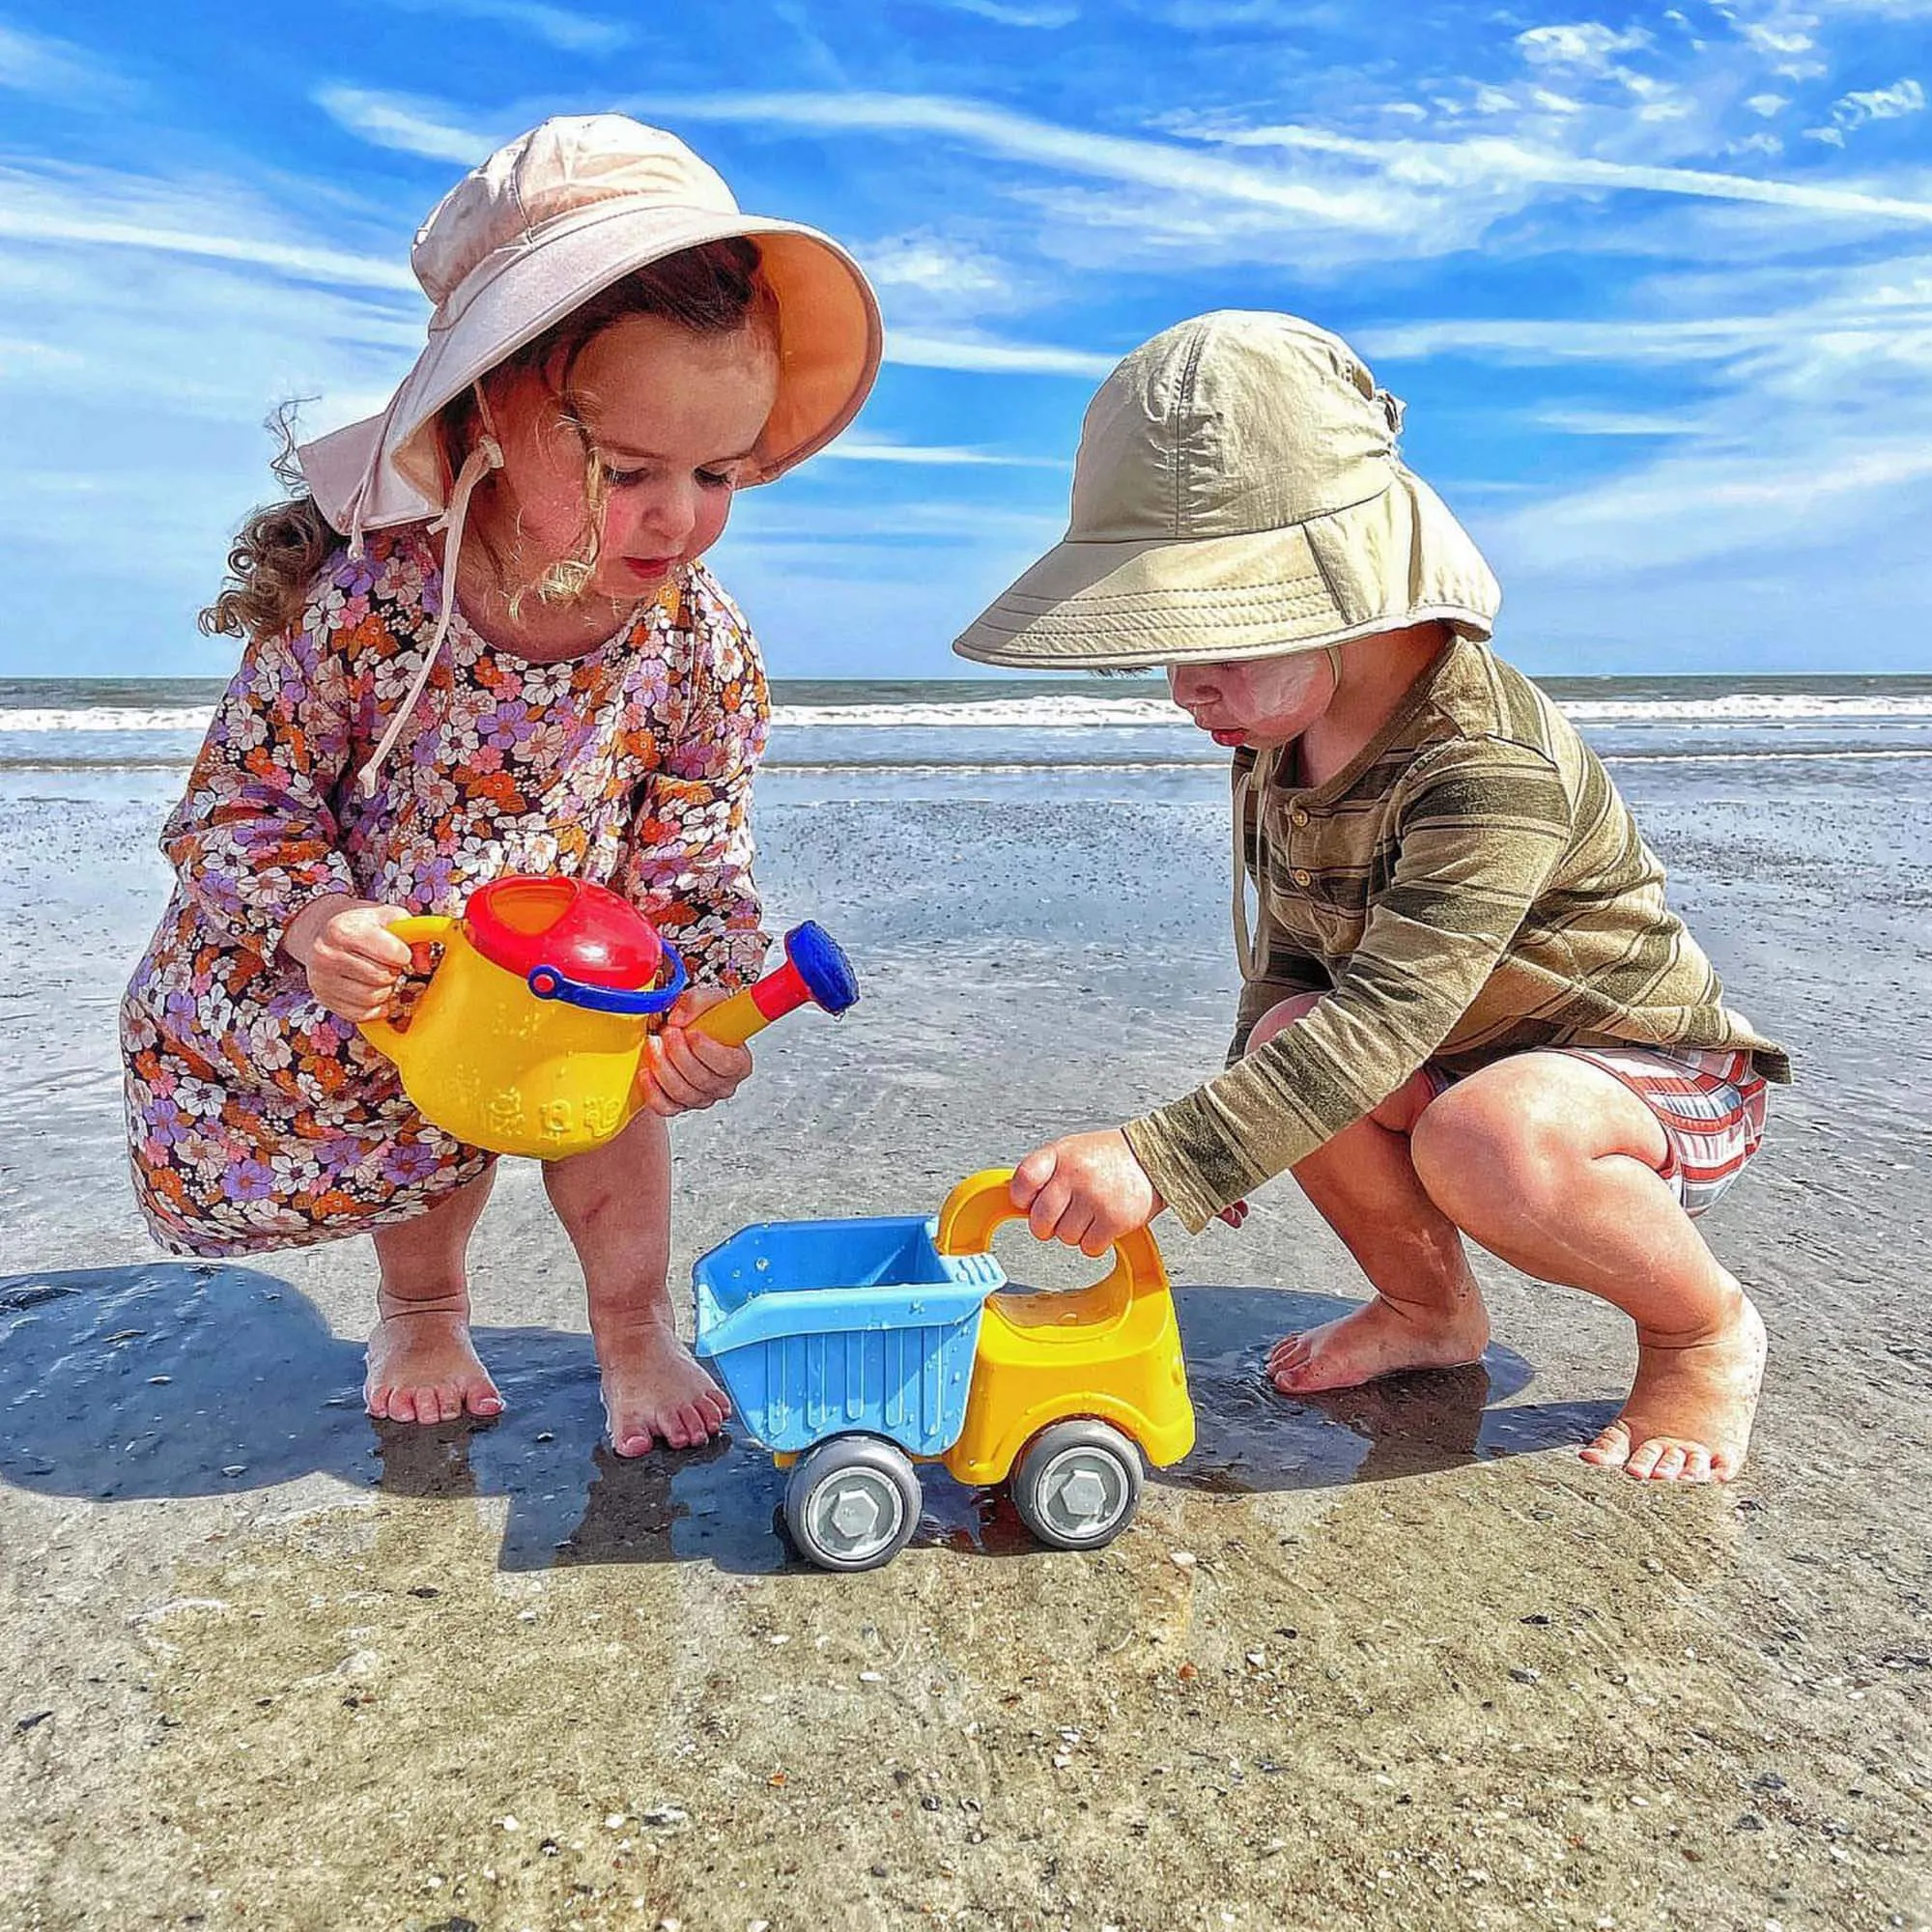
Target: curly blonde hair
(716, 289)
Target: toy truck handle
(983, 1202)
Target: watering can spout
(816, 970)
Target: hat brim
(831, 341)
(1398, 559)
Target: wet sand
(1387, 1659)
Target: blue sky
(1655, 282)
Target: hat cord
(1251, 946)
(488, 455)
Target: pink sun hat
(550, 220)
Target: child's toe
(1611, 1449)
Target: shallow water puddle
(176, 1381)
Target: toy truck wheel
(852, 1503)
(1077, 1484)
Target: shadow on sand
(194, 1379)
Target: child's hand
(1086, 1191)
(681, 1068)
(355, 964)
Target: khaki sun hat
(1238, 494)
(550, 220)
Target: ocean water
(943, 737)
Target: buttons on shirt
(1299, 815)
(1301, 876)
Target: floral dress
(257, 1119)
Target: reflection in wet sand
(184, 1380)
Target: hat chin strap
(488, 455)
(1251, 945)
(1251, 948)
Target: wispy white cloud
(989, 355)
(1589, 46)
(148, 354)
(1686, 509)
(58, 69)
(20, 353)
(1636, 341)
(875, 449)
(1487, 160)
(1792, 469)
(404, 124)
(1344, 200)
(942, 283)
(1877, 104)
(94, 209)
(1045, 13)
(933, 265)
(1789, 39)
(1615, 422)
(561, 27)
(912, 521)
(1025, 137)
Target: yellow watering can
(528, 1037)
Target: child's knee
(1280, 1017)
(1482, 1139)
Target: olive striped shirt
(1470, 885)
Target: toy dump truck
(855, 1350)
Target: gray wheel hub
(856, 1513)
(1082, 1491)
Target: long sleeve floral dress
(257, 1119)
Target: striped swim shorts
(1710, 1105)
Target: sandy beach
(1391, 1658)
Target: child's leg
(422, 1367)
(1428, 1311)
(615, 1203)
(1555, 1166)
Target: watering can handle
(422, 929)
(419, 929)
(982, 1203)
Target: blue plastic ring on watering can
(548, 983)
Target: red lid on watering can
(580, 930)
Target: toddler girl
(481, 642)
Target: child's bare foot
(1379, 1338)
(422, 1367)
(1691, 1407)
(653, 1387)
